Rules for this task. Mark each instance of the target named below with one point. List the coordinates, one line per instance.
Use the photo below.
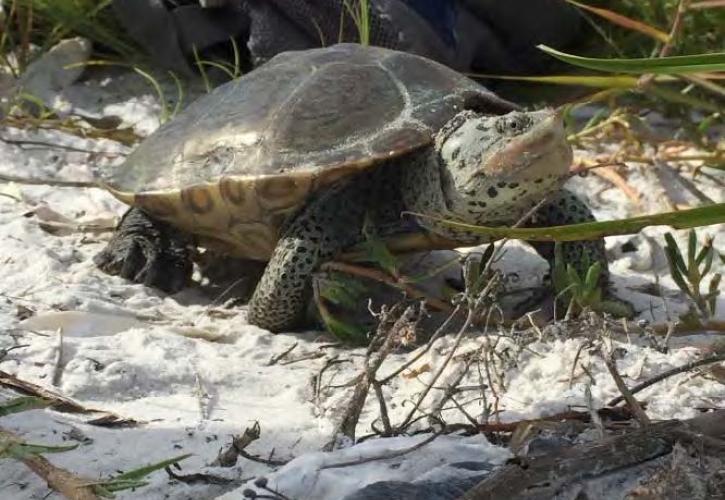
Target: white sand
(196, 378)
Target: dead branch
(197, 478)
(64, 482)
(64, 404)
(275, 359)
(682, 7)
(669, 373)
(439, 372)
(228, 456)
(441, 329)
(450, 389)
(626, 393)
(383, 342)
(384, 418)
(610, 174)
(546, 475)
(581, 416)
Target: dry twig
(669, 373)
(637, 410)
(64, 482)
(383, 342)
(228, 457)
(63, 404)
(548, 475)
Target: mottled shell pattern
(234, 165)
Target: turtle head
(494, 164)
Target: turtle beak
(555, 118)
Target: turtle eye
(513, 124)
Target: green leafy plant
(690, 274)
(679, 65)
(132, 479)
(573, 289)
(579, 291)
(337, 290)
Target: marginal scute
(232, 190)
(198, 199)
(343, 170)
(279, 192)
(156, 204)
(394, 141)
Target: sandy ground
(195, 376)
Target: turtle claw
(149, 252)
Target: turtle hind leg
(148, 251)
(328, 224)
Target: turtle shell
(237, 162)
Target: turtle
(287, 164)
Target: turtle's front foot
(148, 251)
(566, 208)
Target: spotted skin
(329, 223)
(567, 208)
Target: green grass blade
(574, 278)
(709, 257)
(697, 63)
(596, 81)
(591, 281)
(677, 275)
(25, 403)
(19, 451)
(691, 249)
(674, 253)
(684, 219)
(559, 272)
(714, 292)
(141, 472)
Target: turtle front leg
(328, 224)
(567, 208)
(148, 251)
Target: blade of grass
(618, 81)
(685, 219)
(24, 403)
(696, 63)
(708, 4)
(680, 98)
(141, 472)
(625, 22)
